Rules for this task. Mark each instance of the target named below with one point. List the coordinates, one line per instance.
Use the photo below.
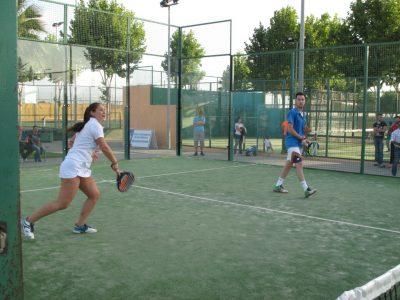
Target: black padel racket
(125, 180)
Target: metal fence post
(283, 113)
(292, 80)
(346, 99)
(178, 137)
(231, 89)
(127, 113)
(11, 283)
(378, 96)
(230, 109)
(364, 112)
(328, 100)
(65, 104)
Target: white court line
(268, 209)
(36, 170)
(149, 176)
(55, 187)
(195, 171)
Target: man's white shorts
(71, 168)
(291, 150)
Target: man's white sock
(280, 181)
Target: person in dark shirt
(35, 144)
(380, 128)
(24, 147)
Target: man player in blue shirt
(295, 139)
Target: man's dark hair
(379, 115)
(34, 126)
(300, 94)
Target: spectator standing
(268, 145)
(199, 122)
(392, 129)
(380, 127)
(239, 134)
(395, 143)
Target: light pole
(168, 4)
(56, 25)
(301, 53)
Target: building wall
(146, 116)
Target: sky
(245, 16)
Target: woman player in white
(75, 171)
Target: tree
(281, 33)
(25, 74)
(241, 74)
(373, 21)
(29, 26)
(332, 63)
(192, 52)
(108, 29)
(29, 23)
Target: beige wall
(146, 116)
(35, 112)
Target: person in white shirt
(395, 142)
(239, 134)
(75, 171)
(268, 145)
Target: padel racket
(296, 157)
(125, 179)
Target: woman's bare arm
(105, 148)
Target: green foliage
(374, 21)
(326, 31)
(25, 72)
(280, 35)
(241, 74)
(29, 23)
(389, 101)
(192, 51)
(111, 28)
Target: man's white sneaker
(84, 229)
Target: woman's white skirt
(71, 168)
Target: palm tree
(29, 23)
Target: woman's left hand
(95, 155)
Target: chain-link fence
(346, 87)
(82, 54)
(85, 55)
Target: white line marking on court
(54, 187)
(194, 171)
(149, 176)
(36, 170)
(268, 209)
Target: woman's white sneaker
(27, 229)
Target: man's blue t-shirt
(298, 122)
(199, 128)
